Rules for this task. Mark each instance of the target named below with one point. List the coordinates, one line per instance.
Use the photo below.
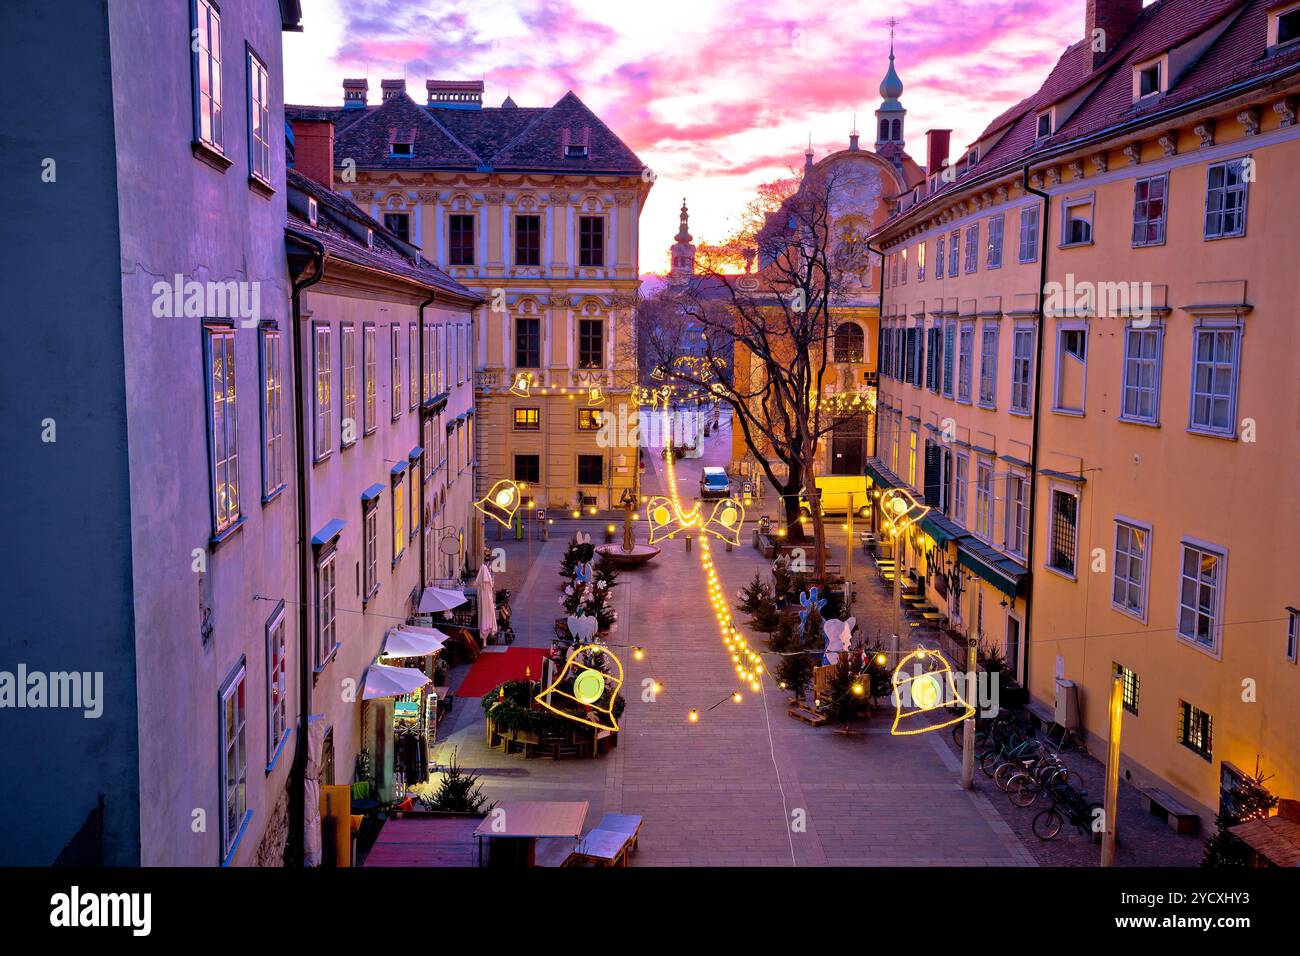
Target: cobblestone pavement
(746, 785)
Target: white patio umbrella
(385, 681)
(408, 641)
(487, 603)
(437, 600)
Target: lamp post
(1112, 770)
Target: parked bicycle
(1067, 804)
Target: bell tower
(683, 250)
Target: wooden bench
(1181, 819)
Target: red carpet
(493, 669)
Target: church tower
(683, 250)
(889, 117)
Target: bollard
(688, 544)
(728, 547)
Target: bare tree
(781, 319)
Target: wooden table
(513, 827)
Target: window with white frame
(939, 260)
(1214, 379)
(272, 414)
(989, 366)
(1129, 580)
(1227, 189)
(370, 378)
(902, 267)
(1200, 595)
(1029, 234)
(1142, 356)
(413, 365)
(1022, 363)
(259, 120)
(234, 759)
(1076, 222)
(1044, 127)
(965, 359)
(370, 546)
(324, 412)
(954, 251)
(395, 369)
(326, 612)
(1071, 369)
(993, 253)
(348, 422)
(960, 475)
(205, 47)
(399, 514)
(972, 247)
(1063, 532)
(1017, 529)
(415, 496)
(984, 499)
(920, 263)
(222, 427)
(1292, 634)
(1149, 210)
(277, 685)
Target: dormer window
(576, 143)
(311, 210)
(401, 143)
(1044, 125)
(1149, 80)
(370, 238)
(1284, 26)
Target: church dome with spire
(891, 87)
(683, 251)
(890, 140)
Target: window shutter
(932, 480)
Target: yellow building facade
(1146, 406)
(537, 210)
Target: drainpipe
(419, 438)
(880, 354)
(1033, 451)
(298, 774)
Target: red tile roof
(499, 138)
(1237, 56)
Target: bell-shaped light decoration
(923, 682)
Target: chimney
(392, 89)
(354, 93)
(457, 94)
(313, 150)
(937, 142)
(1108, 21)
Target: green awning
(1003, 573)
(880, 476)
(940, 528)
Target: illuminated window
(222, 427)
(370, 378)
(413, 364)
(589, 419)
(528, 419)
(399, 514)
(1195, 730)
(272, 414)
(1132, 686)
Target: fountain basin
(639, 555)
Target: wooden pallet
(807, 715)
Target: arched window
(884, 130)
(850, 343)
(898, 131)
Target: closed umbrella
(407, 641)
(385, 681)
(487, 603)
(437, 600)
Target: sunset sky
(714, 95)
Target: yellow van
(837, 491)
